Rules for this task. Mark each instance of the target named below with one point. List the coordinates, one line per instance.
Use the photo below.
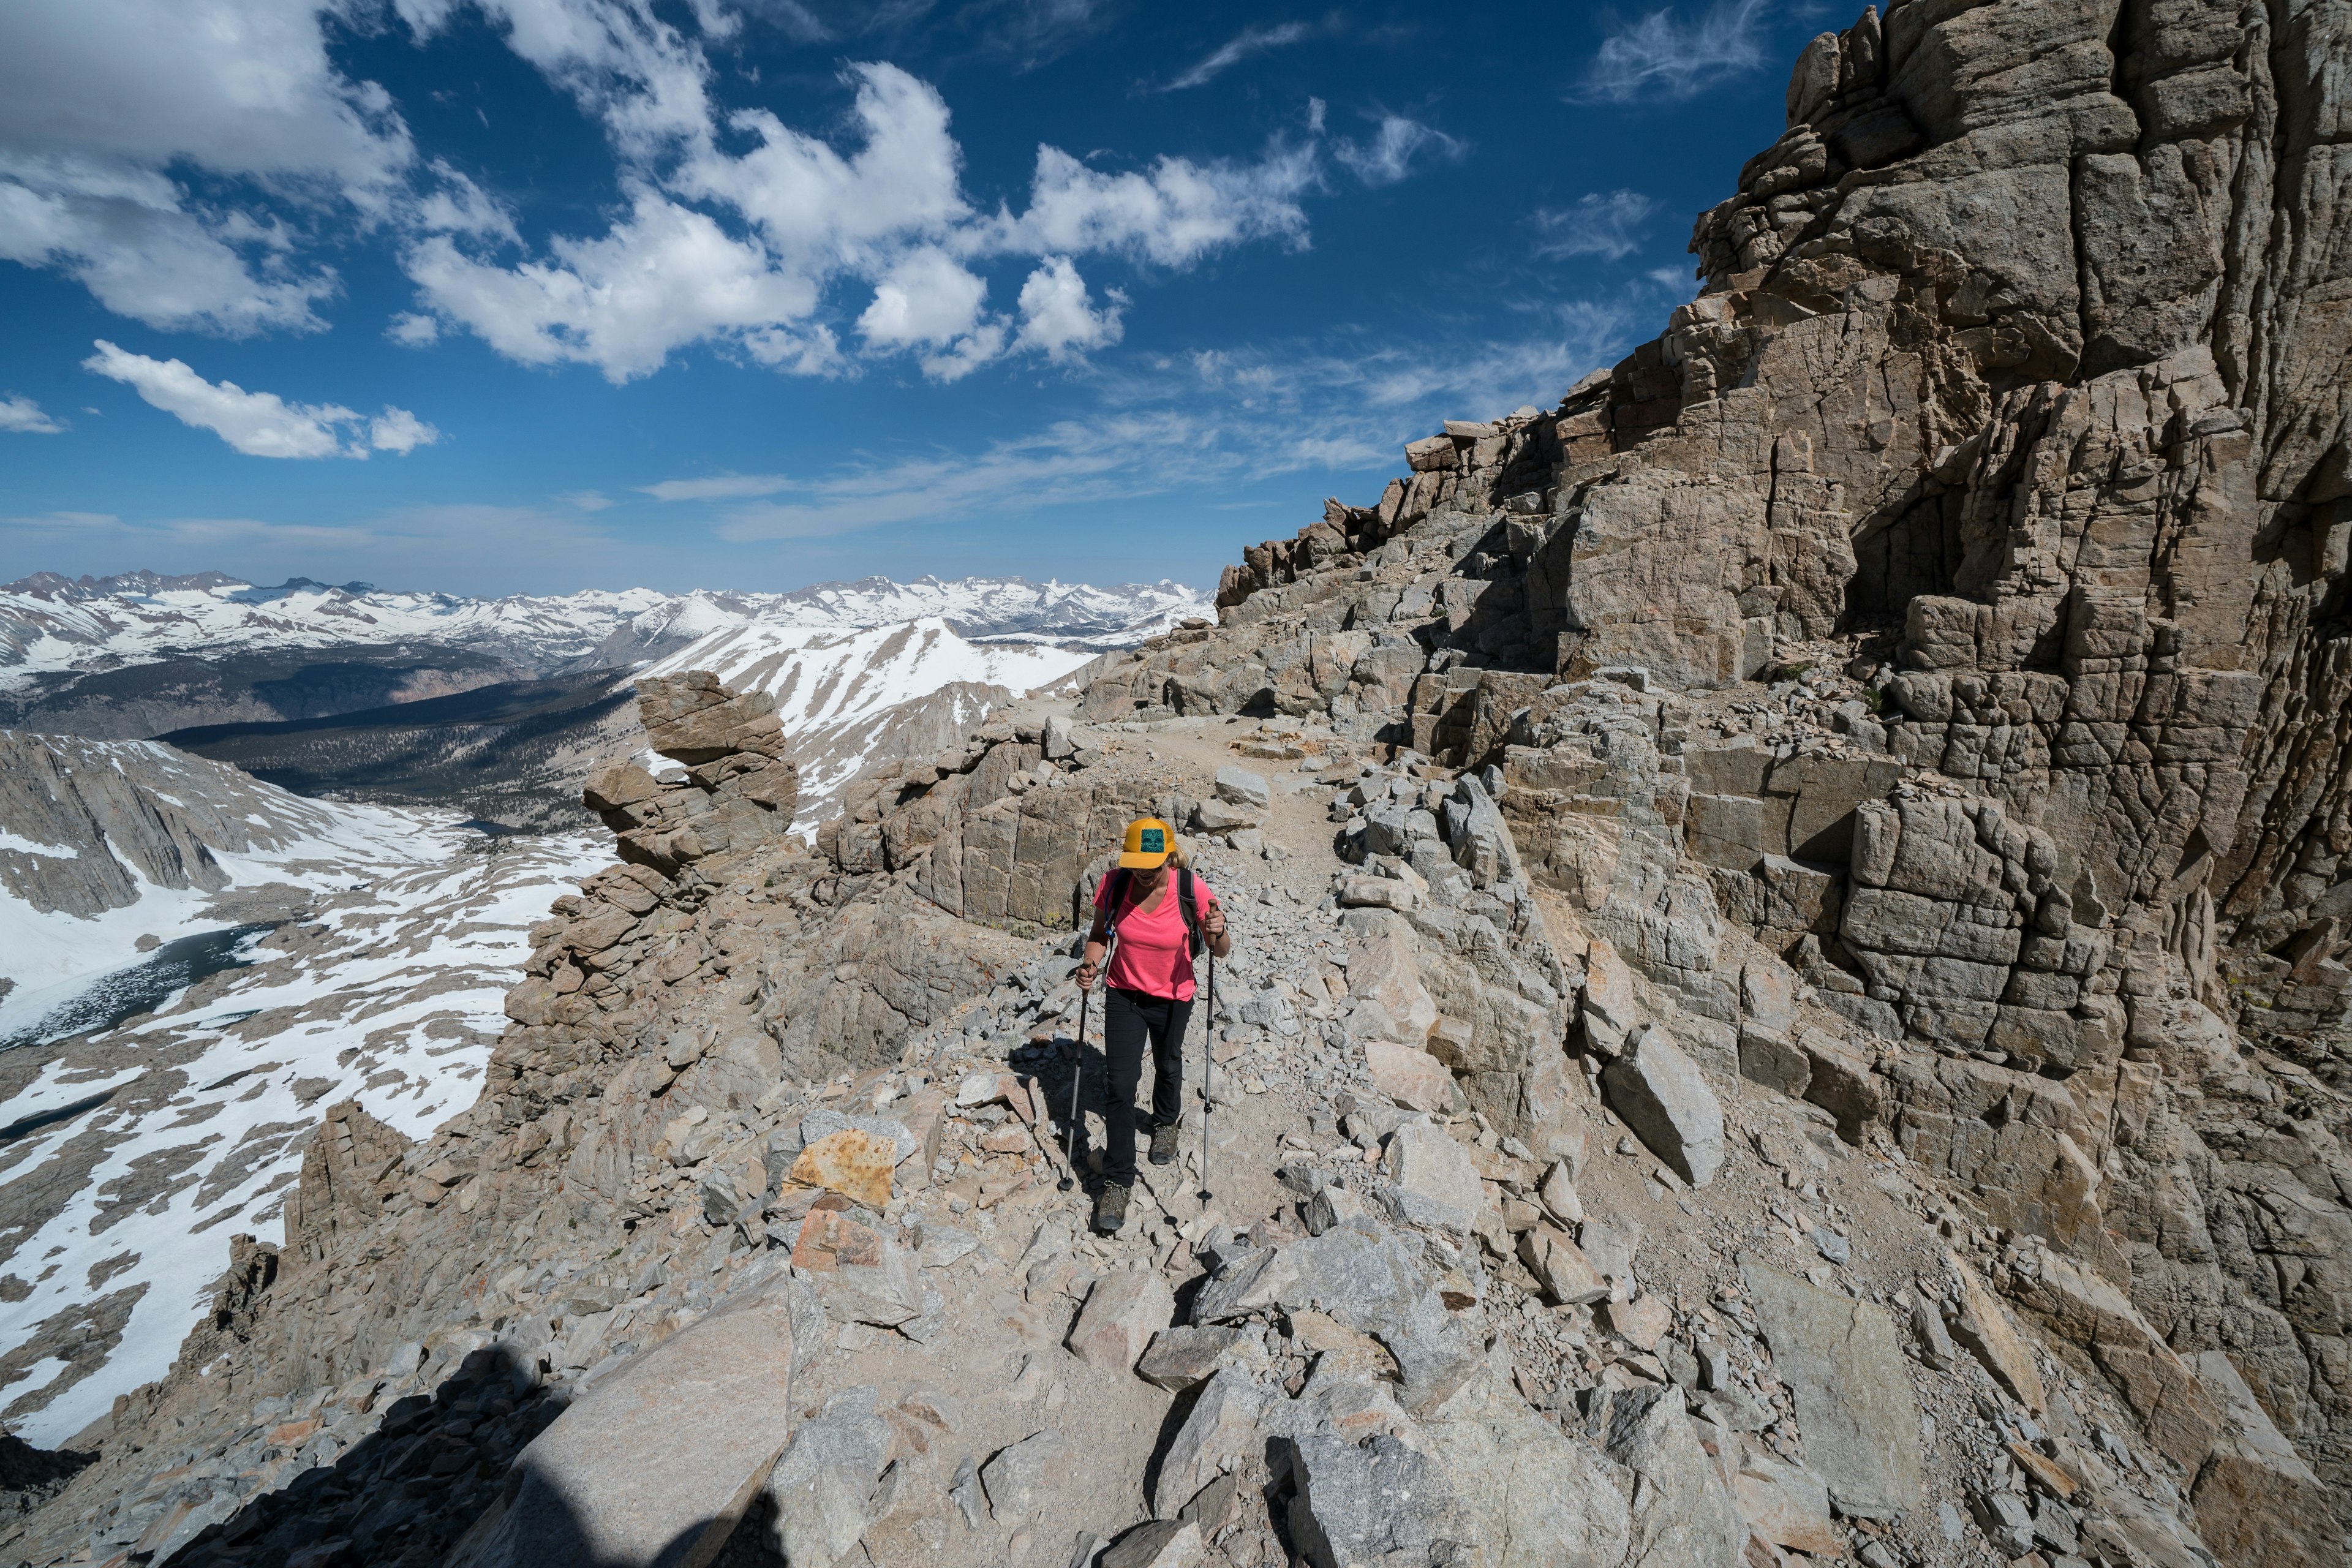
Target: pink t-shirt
(1153, 955)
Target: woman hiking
(1164, 915)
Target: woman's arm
(1212, 926)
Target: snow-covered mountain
(133, 1153)
(850, 697)
(52, 625)
(193, 962)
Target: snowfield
(117, 1219)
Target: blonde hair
(1176, 854)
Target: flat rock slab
(1854, 1409)
(1242, 787)
(1434, 1181)
(853, 1163)
(655, 1466)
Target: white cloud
(1598, 225)
(1388, 157)
(151, 262)
(1241, 45)
(739, 249)
(104, 102)
(722, 487)
(398, 430)
(925, 298)
(258, 424)
(460, 207)
(624, 65)
(24, 416)
(817, 210)
(585, 500)
(1659, 56)
(966, 355)
(1058, 318)
(414, 330)
(1174, 216)
(664, 276)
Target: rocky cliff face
(1995, 458)
(87, 823)
(1793, 1002)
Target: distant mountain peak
(54, 628)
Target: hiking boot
(1110, 1209)
(1164, 1144)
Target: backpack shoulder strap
(1191, 903)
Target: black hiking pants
(1129, 1018)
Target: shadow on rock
(30, 1477)
(403, 1495)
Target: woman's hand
(1212, 926)
(1089, 967)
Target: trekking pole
(1078, 1063)
(1208, 1069)
(1077, 1068)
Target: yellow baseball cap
(1148, 840)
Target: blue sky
(538, 295)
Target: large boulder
(1376, 1504)
(1535, 1499)
(1664, 1099)
(1123, 1311)
(1560, 1266)
(654, 1467)
(691, 718)
(1682, 1517)
(1020, 1477)
(819, 1491)
(1432, 1180)
(2257, 1501)
(1412, 1079)
(1383, 971)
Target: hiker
(1164, 916)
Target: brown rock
(853, 1163)
(1122, 1313)
(1561, 1267)
(830, 1240)
(1983, 1326)
(1412, 1079)
(1641, 1322)
(693, 718)
(2180, 1412)
(2257, 1501)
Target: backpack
(1187, 900)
